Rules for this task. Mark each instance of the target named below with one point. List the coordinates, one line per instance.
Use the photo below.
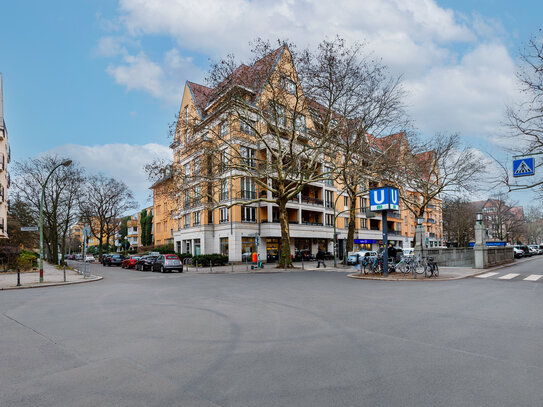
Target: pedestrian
(320, 258)
(392, 251)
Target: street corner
(17, 281)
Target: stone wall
(500, 255)
(452, 257)
(465, 256)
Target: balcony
(329, 204)
(430, 206)
(312, 201)
(313, 223)
(394, 215)
(369, 214)
(431, 220)
(247, 194)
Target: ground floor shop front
(239, 240)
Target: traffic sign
(29, 229)
(524, 167)
(386, 198)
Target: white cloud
(470, 96)
(164, 81)
(124, 162)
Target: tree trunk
(285, 260)
(352, 224)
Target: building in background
(502, 222)
(5, 155)
(164, 210)
(240, 229)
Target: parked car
(89, 258)
(518, 252)
(130, 262)
(145, 263)
(168, 262)
(78, 257)
(354, 258)
(525, 249)
(104, 258)
(536, 248)
(114, 260)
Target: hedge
(215, 259)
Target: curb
(358, 277)
(40, 285)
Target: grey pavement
(51, 277)
(306, 338)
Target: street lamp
(479, 217)
(65, 164)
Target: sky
(100, 80)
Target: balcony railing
(223, 196)
(370, 214)
(312, 201)
(248, 194)
(312, 223)
(394, 215)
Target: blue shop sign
(471, 244)
(364, 241)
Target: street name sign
(29, 229)
(386, 198)
(524, 167)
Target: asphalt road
(290, 339)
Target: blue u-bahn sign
(385, 198)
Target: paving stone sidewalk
(51, 277)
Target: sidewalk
(51, 277)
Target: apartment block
(5, 155)
(237, 229)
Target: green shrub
(184, 256)
(215, 259)
(166, 249)
(26, 260)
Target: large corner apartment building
(240, 229)
(5, 154)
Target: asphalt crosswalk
(494, 275)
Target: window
(186, 114)
(300, 123)
(186, 137)
(248, 156)
(223, 215)
(289, 85)
(186, 170)
(346, 201)
(247, 125)
(196, 170)
(363, 223)
(187, 198)
(187, 220)
(247, 246)
(278, 114)
(329, 180)
(223, 164)
(196, 218)
(197, 194)
(248, 214)
(224, 190)
(248, 188)
(329, 199)
(224, 129)
(224, 246)
(329, 220)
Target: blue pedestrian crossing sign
(524, 167)
(386, 198)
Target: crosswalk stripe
(486, 275)
(533, 277)
(509, 276)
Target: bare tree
(102, 204)
(458, 220)
(353, 102)
(60, 209)
(534, 224)
(525, 120)
(441, 166)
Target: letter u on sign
(376, 198)
(394, 196)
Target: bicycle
(404, 265)
(431, 268)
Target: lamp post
(420, 222)
(65, 164)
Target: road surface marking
(533, 277)
(509, 276)
(486, 275)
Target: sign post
(382, 200)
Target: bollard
(65, 273)
(246, 266)
(232, 267)
(302, 262)
(18, 276)
(196, 262)
(211, 267)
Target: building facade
(237, 229)
(5, 156)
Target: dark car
(104, 258)
(114, 260)
(145, 263)
(168, 262)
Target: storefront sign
(365, 241)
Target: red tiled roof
(201, 95)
